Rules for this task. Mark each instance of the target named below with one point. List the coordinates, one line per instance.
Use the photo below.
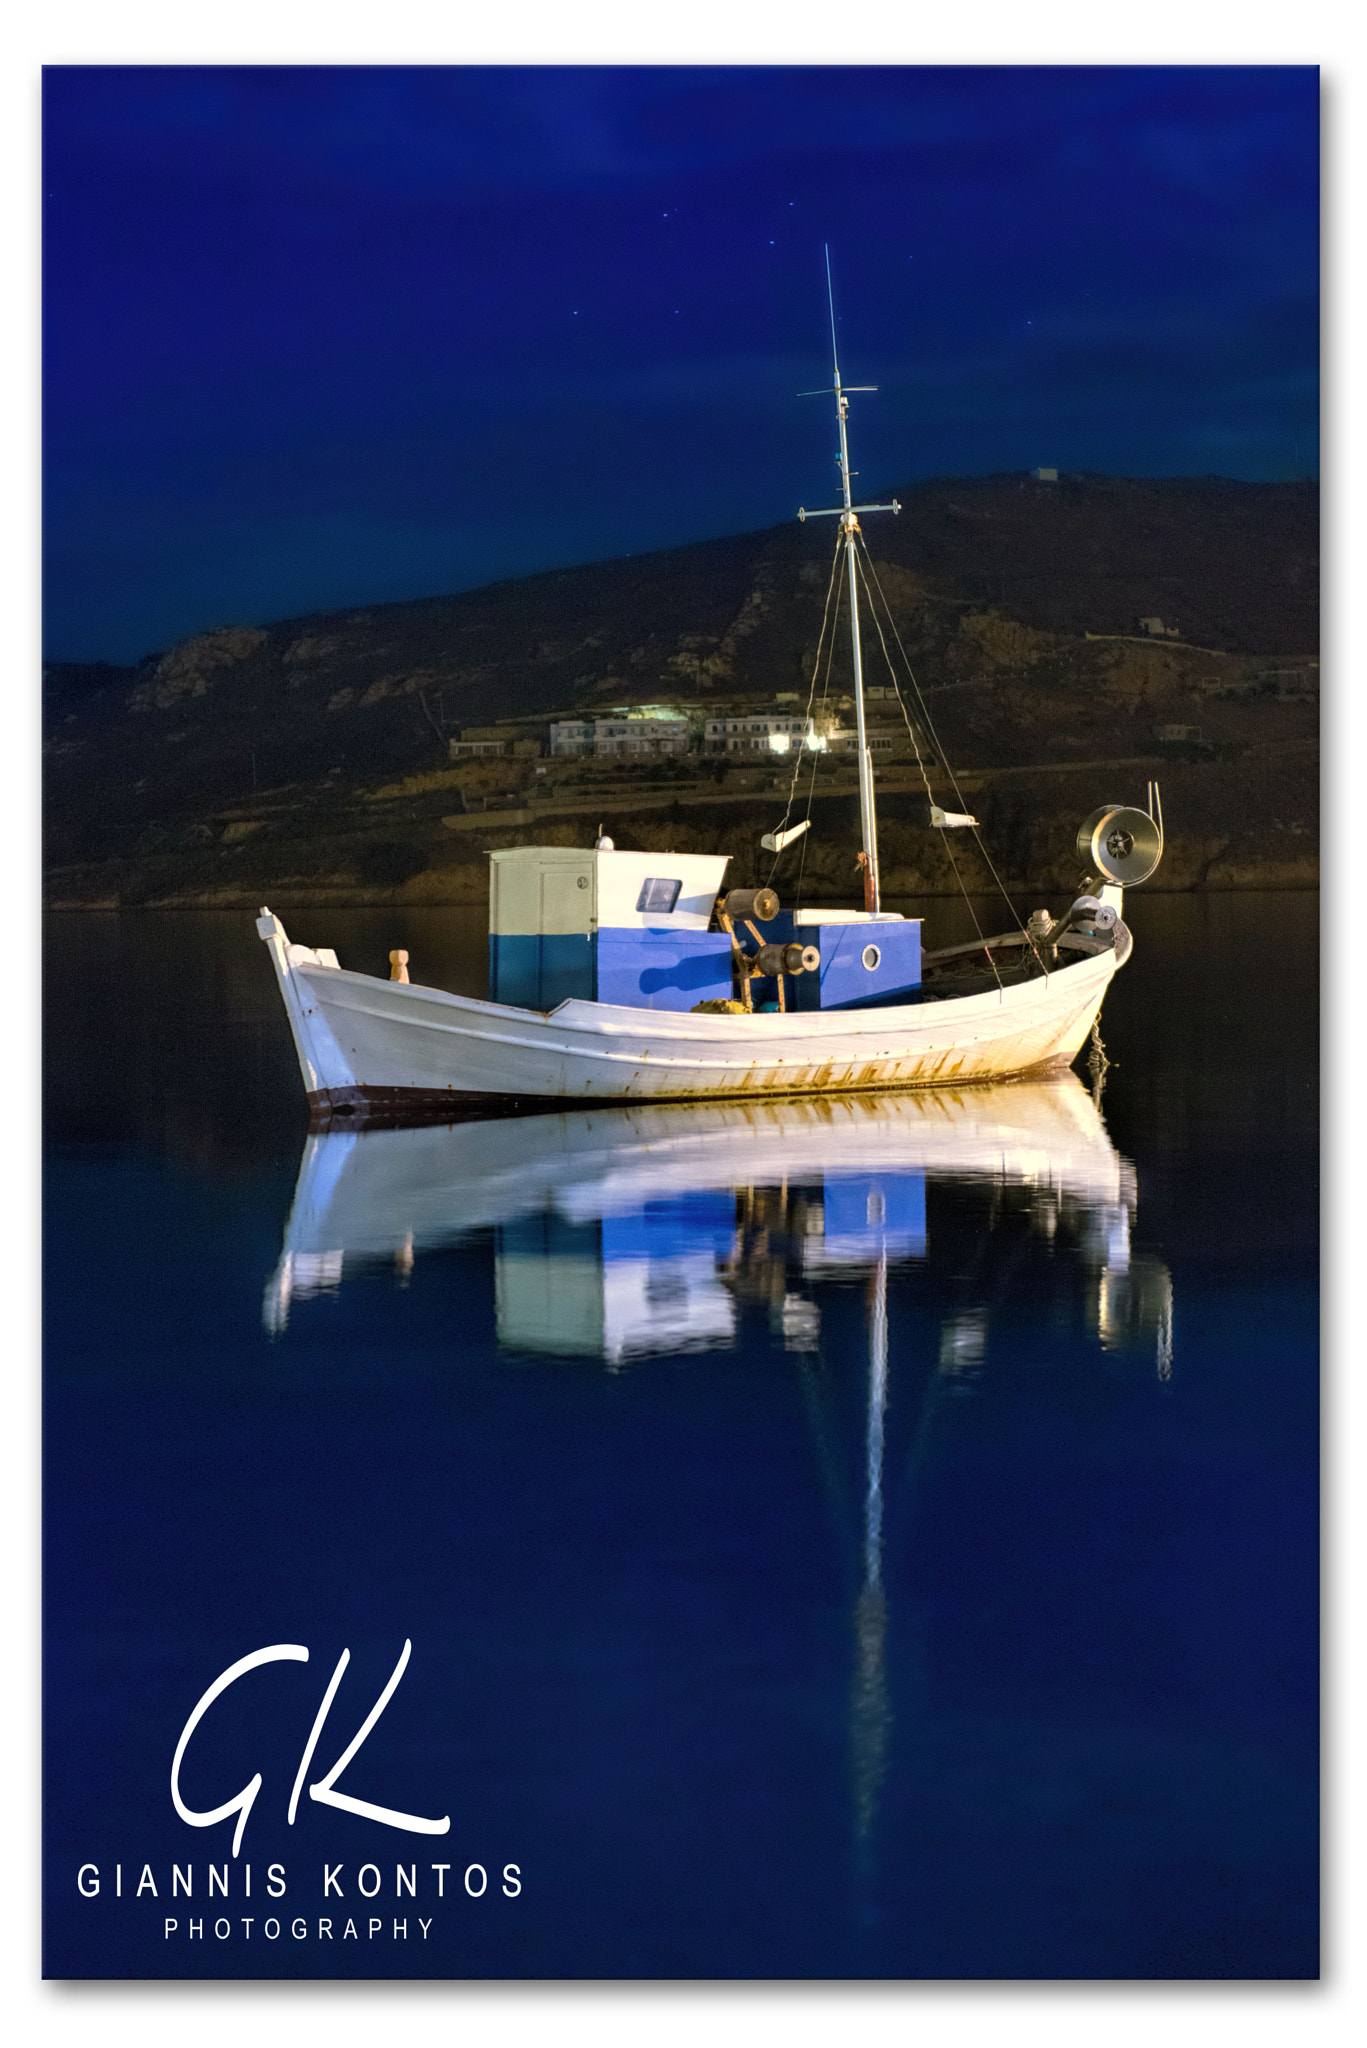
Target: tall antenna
(830, 300)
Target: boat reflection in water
(621, 1234)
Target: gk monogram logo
(324, 1790)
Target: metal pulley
(761, 904)
(1121, 844)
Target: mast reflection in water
(626, 1235)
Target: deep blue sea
(876, 1539)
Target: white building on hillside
(644, 735)
(761, 732)
(572, 735)
(845, 740)
(621, 733)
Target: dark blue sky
(331, 336)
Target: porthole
(871, 957)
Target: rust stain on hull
(399, 1105)
(1026, 1047)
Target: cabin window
(871, 957)
(658, 894)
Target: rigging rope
(816, 757)
(916, 747)
(868, 571)
(811, 693)
(940, 749)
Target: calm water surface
(877, 1539)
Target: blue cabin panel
(566, 968)
(862, 965)
(649, 969)
(536, 971)
(515, 970)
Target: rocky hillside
(308, 759)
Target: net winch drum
(760, 904)
(1121, 844)
(790, 959)
(1097, 920)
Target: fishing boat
(619, 975)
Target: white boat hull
(398, 1046)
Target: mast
(847, 513)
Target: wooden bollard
(398, 965)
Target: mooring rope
(1098, 1066)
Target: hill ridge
(993, 582)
